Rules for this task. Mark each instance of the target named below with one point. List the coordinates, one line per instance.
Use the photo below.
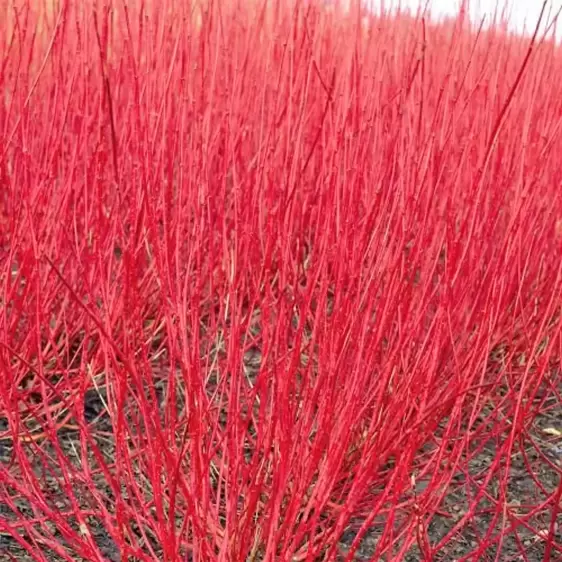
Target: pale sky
(521, 10)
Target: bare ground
(533, 477)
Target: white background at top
(523, 13)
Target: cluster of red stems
(305, 256)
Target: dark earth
(536, 463)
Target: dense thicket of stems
(301, 259)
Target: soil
(534, 474)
